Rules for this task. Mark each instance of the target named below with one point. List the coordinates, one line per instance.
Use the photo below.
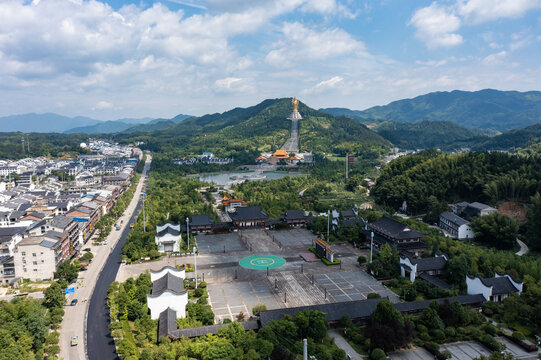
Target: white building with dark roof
(493, 289)
(456, 226)
(168, 238)
(168, 292)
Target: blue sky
(110, 59)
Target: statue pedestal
(295, 116)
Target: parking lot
(293, 238)
(211, 244)
(229, 299)
(349, 286)
(460, 351)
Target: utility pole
(195, 265)
(328, 223)
(371, 245)
(347, 157)
(188, 231)
(144, 218)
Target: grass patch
(325, 261)
(126, 329)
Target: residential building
(456, 226)
(37, 257)
(7, 270)
(469, 210)
(168, 238)
(494, 289)
(9, 238)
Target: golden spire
(295, 103)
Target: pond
(233, 177)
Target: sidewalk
(343, 344)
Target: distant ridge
(484, 109)
(48, 122)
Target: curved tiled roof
(168, 282)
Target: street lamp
(371, 245)
(188, 230)
(195, 265)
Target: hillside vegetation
(426, 134)
(485, 109)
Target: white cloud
(436, 26)
(103, 105)
(327, 7)
(232, 84)
(495, 59)
(325, 85)
(300, 44)
(478, 11)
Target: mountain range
(55, 123)
(484, 109)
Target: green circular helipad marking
(262, 262)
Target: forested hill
(263, 127)
(484, 109)
(427, 134)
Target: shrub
(517, 335)
(241, 316)
(476, 333)
(345, 322)
(450, 332)
(199, 292)
(258, 308)
(491, 343)
(202, 301)
(361, 260)
(377, 354)
(203, 284)
(226, 321)
(438, 335)
(421, 328)
(424, 336)
(373, 295)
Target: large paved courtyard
(219, 243)
(229, 299)
(349, 286)
(293, 238)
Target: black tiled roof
(500, 285)
(335, 311)
(168, 230)
(349, 213)
(211, 329)
(415, 306)
(394, 229)
(61, 221)
(350, 222)
(168, 282)
(433, 263)
(435, 281)
(400, 246)
(201, 220)
(294, 215)
(453, 218)
(248, 213)
(167, 322)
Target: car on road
(74, 340)
(132, 225)
(117, 228)
(73, 302)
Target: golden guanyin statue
(295, 103)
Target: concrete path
(292, 144)
(343, 344)
(523, 248)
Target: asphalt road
(100, 344)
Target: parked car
(117, 228)
(73, 302)
(74, 340)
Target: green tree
(499, 231)
(54, 298)
(533, 225)
(311, 324)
